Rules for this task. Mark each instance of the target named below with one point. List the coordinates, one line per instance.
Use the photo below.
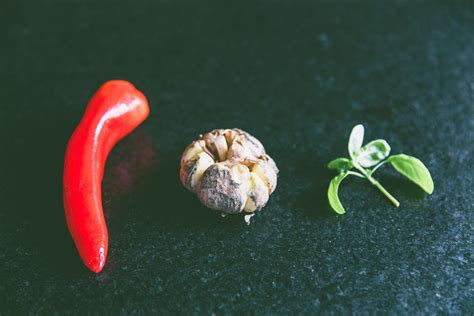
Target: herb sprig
(363, 161)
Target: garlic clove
(254, 145)
(267, 171)
(193, 169)
(258, 194)
(271, 163)
(238, 151)
(192, 150)
(217, 143)
(221, 147)
(230, 135)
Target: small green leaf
(356, 139)
(333, 196)
(340, 164)
(373, 153)
(413, 169)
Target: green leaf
(373, 153)
(355, 140)
(333, 196)
(340, 164)
(413, 169)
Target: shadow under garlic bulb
(229, 171)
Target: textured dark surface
(296, 76)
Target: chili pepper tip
(96, 264)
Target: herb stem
(356, 174)
(378, 185)
(377, 166)
(385, 192)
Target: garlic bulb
(229, 171)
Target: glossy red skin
(115, 110)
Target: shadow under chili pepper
(127, 167)
(141, 185)
(162, 198)
(139, 175)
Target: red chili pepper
(115, 110)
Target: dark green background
(297, 76)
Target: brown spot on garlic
(224, 187)
(229, 170)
